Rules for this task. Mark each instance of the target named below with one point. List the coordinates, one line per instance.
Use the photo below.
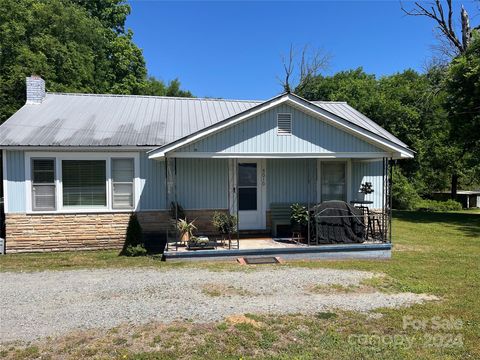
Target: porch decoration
(186, 229)
(225, 224)
(366, 188)
(200, 243)
(299, 219)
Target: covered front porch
(258, 194)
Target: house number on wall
(263, 177)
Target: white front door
(250, 176)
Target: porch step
(335, 251)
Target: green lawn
(435, 253)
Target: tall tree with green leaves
(463, 104)
(75, 45)
(455, 43)
(407, 104)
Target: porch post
(390, 200)
(306, 162)
(171, 196)
(236, 204)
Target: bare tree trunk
(453, 193)
(466, 30)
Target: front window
(43, 184)
(84, 183)
(334, 181)
(122, 183)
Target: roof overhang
(395, 150)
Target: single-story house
(75, 166)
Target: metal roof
(132, 120)
(345, 111)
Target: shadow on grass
(468, 223)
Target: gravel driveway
(54, 302)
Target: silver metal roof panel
(78, 120)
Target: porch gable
(259, 136)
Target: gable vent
(284, 124)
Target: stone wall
(60, 232)
(57, 232)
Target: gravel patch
(52, 303)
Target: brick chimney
(35, 89)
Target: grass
(434, 253)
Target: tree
(153, 86)
(463, 104)
(445, 24)
(460, 102)
(407, 104)
(75, 45)
(299, 73)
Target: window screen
(333, 181)
(122, 182)
(43, 184)
(84, 183)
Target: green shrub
(133, 238)
(138, 250)
(404, 195)
(299, 215)
(435, 205)
(224, 223)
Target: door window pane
(247, 186)
(247, 198)
(84, 183)
(333, 181)
(247, 174)
(122, 182)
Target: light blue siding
(202, 183)
(259, 135)
(368, 172)
(15, 191)
(152, 172)
(291, 180)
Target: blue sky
(233, 49)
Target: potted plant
(299, 218)
(186, 229)
(225, 224)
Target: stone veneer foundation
(60, 232)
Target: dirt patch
(242, 319)
(216, 289)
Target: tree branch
(437, 13)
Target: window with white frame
(122, 183)
(43, 184)
(84, 183)
(81, 182)
(333, 181)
